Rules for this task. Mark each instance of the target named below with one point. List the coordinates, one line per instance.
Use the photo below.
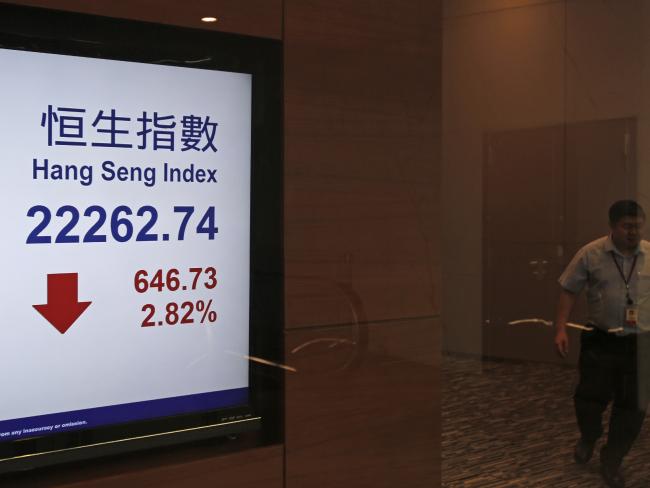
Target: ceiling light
(209, 19)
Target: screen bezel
(47, 31)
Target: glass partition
(545, 108)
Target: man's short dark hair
(625, 208)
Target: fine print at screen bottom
(116, 414)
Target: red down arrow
(62, 308)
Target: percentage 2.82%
(187, 313)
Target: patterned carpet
(508, 424)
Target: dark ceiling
(262, 18)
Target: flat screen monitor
(131, 246)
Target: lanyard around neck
(629, 276)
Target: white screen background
(106, 357)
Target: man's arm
(564, 306)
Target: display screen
(126, 241)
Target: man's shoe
(612, 476)
(583, 451)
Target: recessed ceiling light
(209, 19)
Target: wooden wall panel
(261, 18)
(362, 143)
(364, 415)
(371, 236)
(459, 8)
(362, 107)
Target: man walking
(616, 272)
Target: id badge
(631, 316)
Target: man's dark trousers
(609, 370)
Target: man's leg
(594, 391)
(627, 411)
(624, 427)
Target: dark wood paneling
(193, 467)
(261, 18)
(374, 238)
(364, 415)
(362, 106)
(460, 8)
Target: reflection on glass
(545, 114)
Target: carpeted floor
(508, 424)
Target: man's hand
(562, 342)
(564, 307)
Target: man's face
(626, 233)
